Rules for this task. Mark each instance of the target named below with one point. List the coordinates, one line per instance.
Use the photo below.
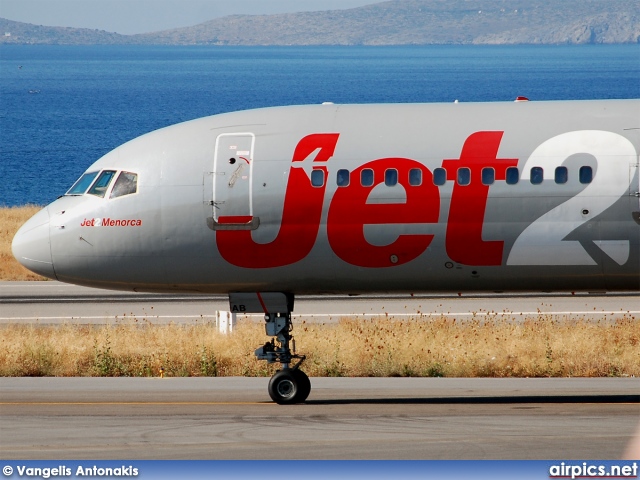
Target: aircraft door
(232, 171)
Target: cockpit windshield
(82, 184)
(125, 184)
(101, 185)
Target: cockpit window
(126, 184)
(82, 184)
(101, 185)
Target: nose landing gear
(288, 385)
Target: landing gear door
(232, 172)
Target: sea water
(63, 107)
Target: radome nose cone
(31, 245)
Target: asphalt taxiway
(344, 418)
(54, 302)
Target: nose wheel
(289, 386)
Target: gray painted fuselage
(211, 197)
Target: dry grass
(416, 347)
(11, 219)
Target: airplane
(267, 204)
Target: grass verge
(362, 348)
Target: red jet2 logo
(349, 212)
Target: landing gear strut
(289, 385)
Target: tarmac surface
(344, 418)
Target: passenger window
(101, 185)
(488, 176)
(82, 184)
(439, 176)
(561, 175)
(126, 184)
(343, 178)
(586, 174)
(512, 175)
(391, 177)
(536, 175)
(464, 176)
(317, 178)
(366, 177)
(415, 177)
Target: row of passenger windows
(126, 184)
(463, 176)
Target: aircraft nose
(31, 245)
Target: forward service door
(232, 182)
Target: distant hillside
(26, 33)
(396, 22)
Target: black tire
(287, 387)
(304, 385)
(283, 387)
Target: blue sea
(63, 107)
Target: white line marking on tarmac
(332, 315)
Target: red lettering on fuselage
(349, 213)
(108, 222)
(300, 217)
(468, 202)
